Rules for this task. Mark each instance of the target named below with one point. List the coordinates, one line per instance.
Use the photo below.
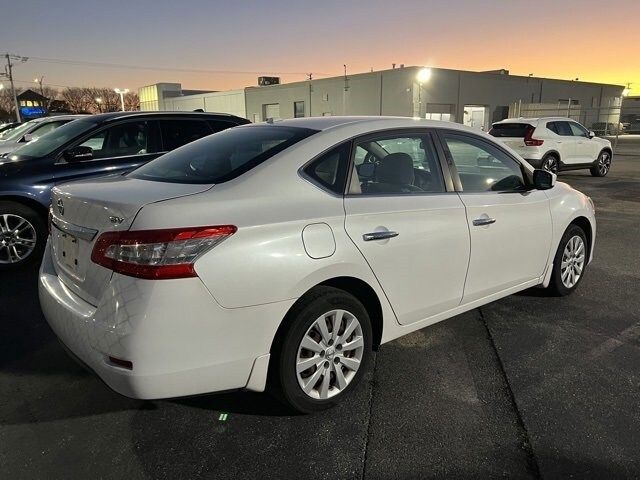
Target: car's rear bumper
(179, 340)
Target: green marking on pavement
(222, 417)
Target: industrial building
(474, 98)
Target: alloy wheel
(572, 264)
(551, 164)
(17, 238)
(604, 163)
(329, 354)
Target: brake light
(528, 140)
(157, 254)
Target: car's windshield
(53, 140)
(17, 132)
(222, 156)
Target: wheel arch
(585, 225)
(555, 153)
(352, 285)
(28, 202)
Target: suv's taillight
(157, 254)
(528, 140)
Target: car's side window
(396, 164)
(176, 133)
(483, 167)
(578, 130)
(124, 139)
(564, 129)
(330, 170)
(553, 127)
(46, 128)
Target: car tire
(333, 369)
(550, 163)
(23, 235)
(602, 165)
(570, 262)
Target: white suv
(555, 144)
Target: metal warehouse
(473, 98)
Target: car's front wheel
(602, 165)
(23, 234)
(325, 350)
(570, 261)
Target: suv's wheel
(23, 234)
(602, 165)
(550, 163)
(570, 261)
(325, 350)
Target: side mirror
(77, 154)
(27, 137)
(592, 134)
(543, 180)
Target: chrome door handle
(478, 222)
(367, 237)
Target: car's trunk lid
(81, 211)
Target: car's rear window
(223, 156)
(513, 130)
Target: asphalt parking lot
(526, 387)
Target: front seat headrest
(396, 168)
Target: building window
(298, 109)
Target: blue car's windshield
(48, 143)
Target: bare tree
(76, 99)
(131, 101)
(51, 94)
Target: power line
(168, 69)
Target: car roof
(533, 120)
(56, 117)
(377, 122)
(111, 116)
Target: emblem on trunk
(116, 220)
(60, 205)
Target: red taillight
(157, 254)
(528, 140)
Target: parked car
(31, 130)
(5, 127)
(555, 144)
(287, 251)
(110, 143)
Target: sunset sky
(593, 40)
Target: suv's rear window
(222, 156)
(513, 130)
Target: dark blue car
(96, 145)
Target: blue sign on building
(32, 112)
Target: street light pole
(121, 93)
(9, 74)
(39, 82)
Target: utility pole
(39, 82)
(9, 74)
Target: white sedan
(283, 253)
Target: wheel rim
(17, 238)
(330, 354)
(572, 261)
(551, 165)
(604, 163)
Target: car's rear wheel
(570, 261)
(325, 350)
(550, 163)
(23, 234)
(602, 165)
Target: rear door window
(123, 140)
(509, 130)
(564, 129)
(223, 156)
(176, 133)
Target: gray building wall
(450, 93)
